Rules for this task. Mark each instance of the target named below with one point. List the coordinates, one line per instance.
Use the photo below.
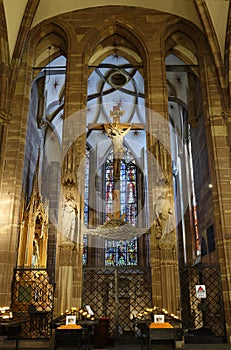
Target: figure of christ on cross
(116, 131)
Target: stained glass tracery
(121, 253)
(86, 213)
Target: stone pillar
(52, 173)
(70, 241)
(96, 205)
(220, 133)
(163, 247)
(14, 136)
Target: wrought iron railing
(202, 317)
(32, 301)
(119, 294)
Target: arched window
(86, 212)
(122, 252)
(115, 97)
(185, 112)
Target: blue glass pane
(121, 253)
(84, 250)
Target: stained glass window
(84, 250)
(117, 83)
(86, 189)
(121, 253)
(86, 213)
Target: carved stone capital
(168, 253)
(4, 117)
(225, 114)
(67, 254)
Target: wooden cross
(116, 131)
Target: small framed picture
(89, 310)
(159, 318)
(70, 320)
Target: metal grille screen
(202, 316)
(118, 294)
(32, 301)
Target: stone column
(96, 204)
(70, 246)
(13, 146)
(163, 247)
(220, 133)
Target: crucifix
(116, 131)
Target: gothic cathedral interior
(115, 166)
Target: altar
(159, 329)
(68, 338)
(162, 338)
(73, 330)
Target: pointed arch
(113, 35)
(45, 35)
(212, 40)
(5, 65)
(227, 58)
(25, 27)
(183, 40)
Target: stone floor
(45, 345)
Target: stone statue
(165, 220)
(69, 216)
(35, 254)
